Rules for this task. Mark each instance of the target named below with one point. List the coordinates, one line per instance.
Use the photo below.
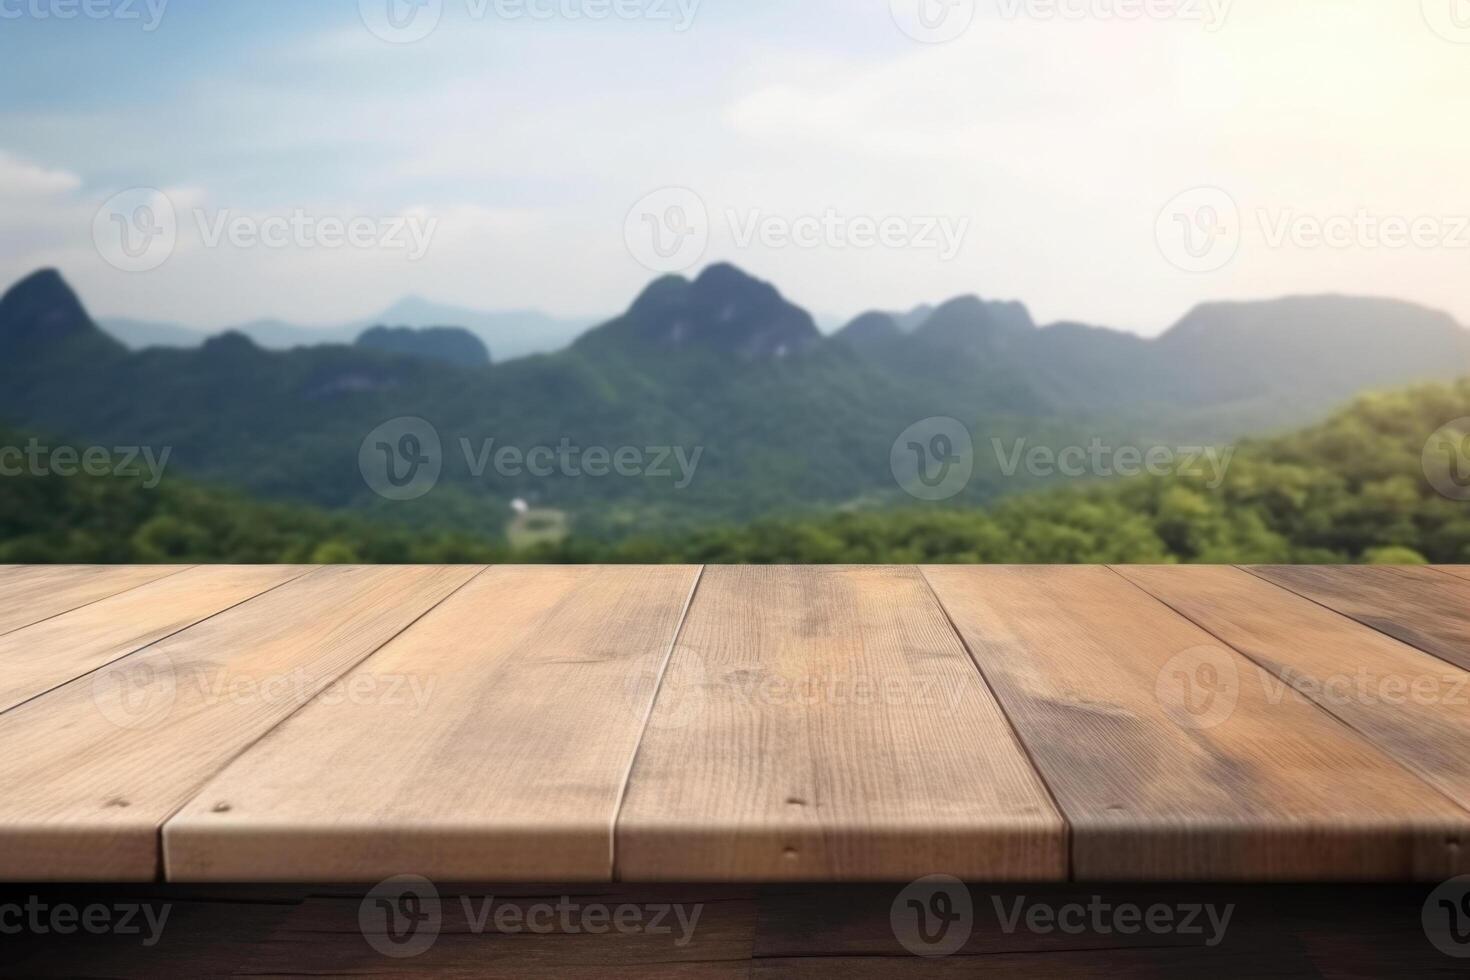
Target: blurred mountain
(448, 345)
(783, 419)
(724, 310)
(509, 334)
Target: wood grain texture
(1411, 704)
(502, 756)
(1459, 571)
(92, 769)
(29, 594)
(1420, 606)
(1165, 767)
(825, 723)
(37, 658)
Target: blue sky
(1055, 141)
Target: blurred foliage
(1351, 489)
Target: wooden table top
(734, 724)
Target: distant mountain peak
(972, 324)
(448, 345)
(42, 309)
(871, 332)
(724, 308)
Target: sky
(1112, 162)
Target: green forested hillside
(785, 422)
(1352, 489)
(118, 520)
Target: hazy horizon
(526, 149)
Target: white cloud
(23, 179)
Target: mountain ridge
(787, 420)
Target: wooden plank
(37, 658)
(1420, 606)
(825, 723)
(92, 769)
(29, 594)
(1164, 781)
(522, 700)
(1459, 571)
(1414, 706)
